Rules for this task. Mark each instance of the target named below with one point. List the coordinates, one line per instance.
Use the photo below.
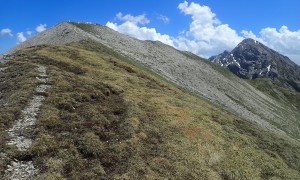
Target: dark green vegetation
(107, 117)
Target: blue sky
(205, 27)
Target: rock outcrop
(251, 59)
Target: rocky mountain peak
(250, 41)
(251, 59)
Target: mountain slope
(185, 70)
(251, 59)
(106, 116)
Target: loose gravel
(25, 170)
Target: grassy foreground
(106, 117)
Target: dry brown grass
(107, 117)
(195, 130)
(17, 85)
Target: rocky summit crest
(251, 59)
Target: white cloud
(207, 31)
(41, 28)
(140, 19)
(165, 19)
(29, 33)
(207, 35)
(6, 31)
(249, 34)
(132, 28)
(21, 37)
(282, 40)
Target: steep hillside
(251, 59)
(105, 116)
(188, 71)
(288, 98)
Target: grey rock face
(194, 74)
(60, 34)
(251, 59)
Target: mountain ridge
(251, 59)
(193, 74)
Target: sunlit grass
(108, 117)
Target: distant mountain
(251, 59)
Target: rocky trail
(25, 170)
(1, 71)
